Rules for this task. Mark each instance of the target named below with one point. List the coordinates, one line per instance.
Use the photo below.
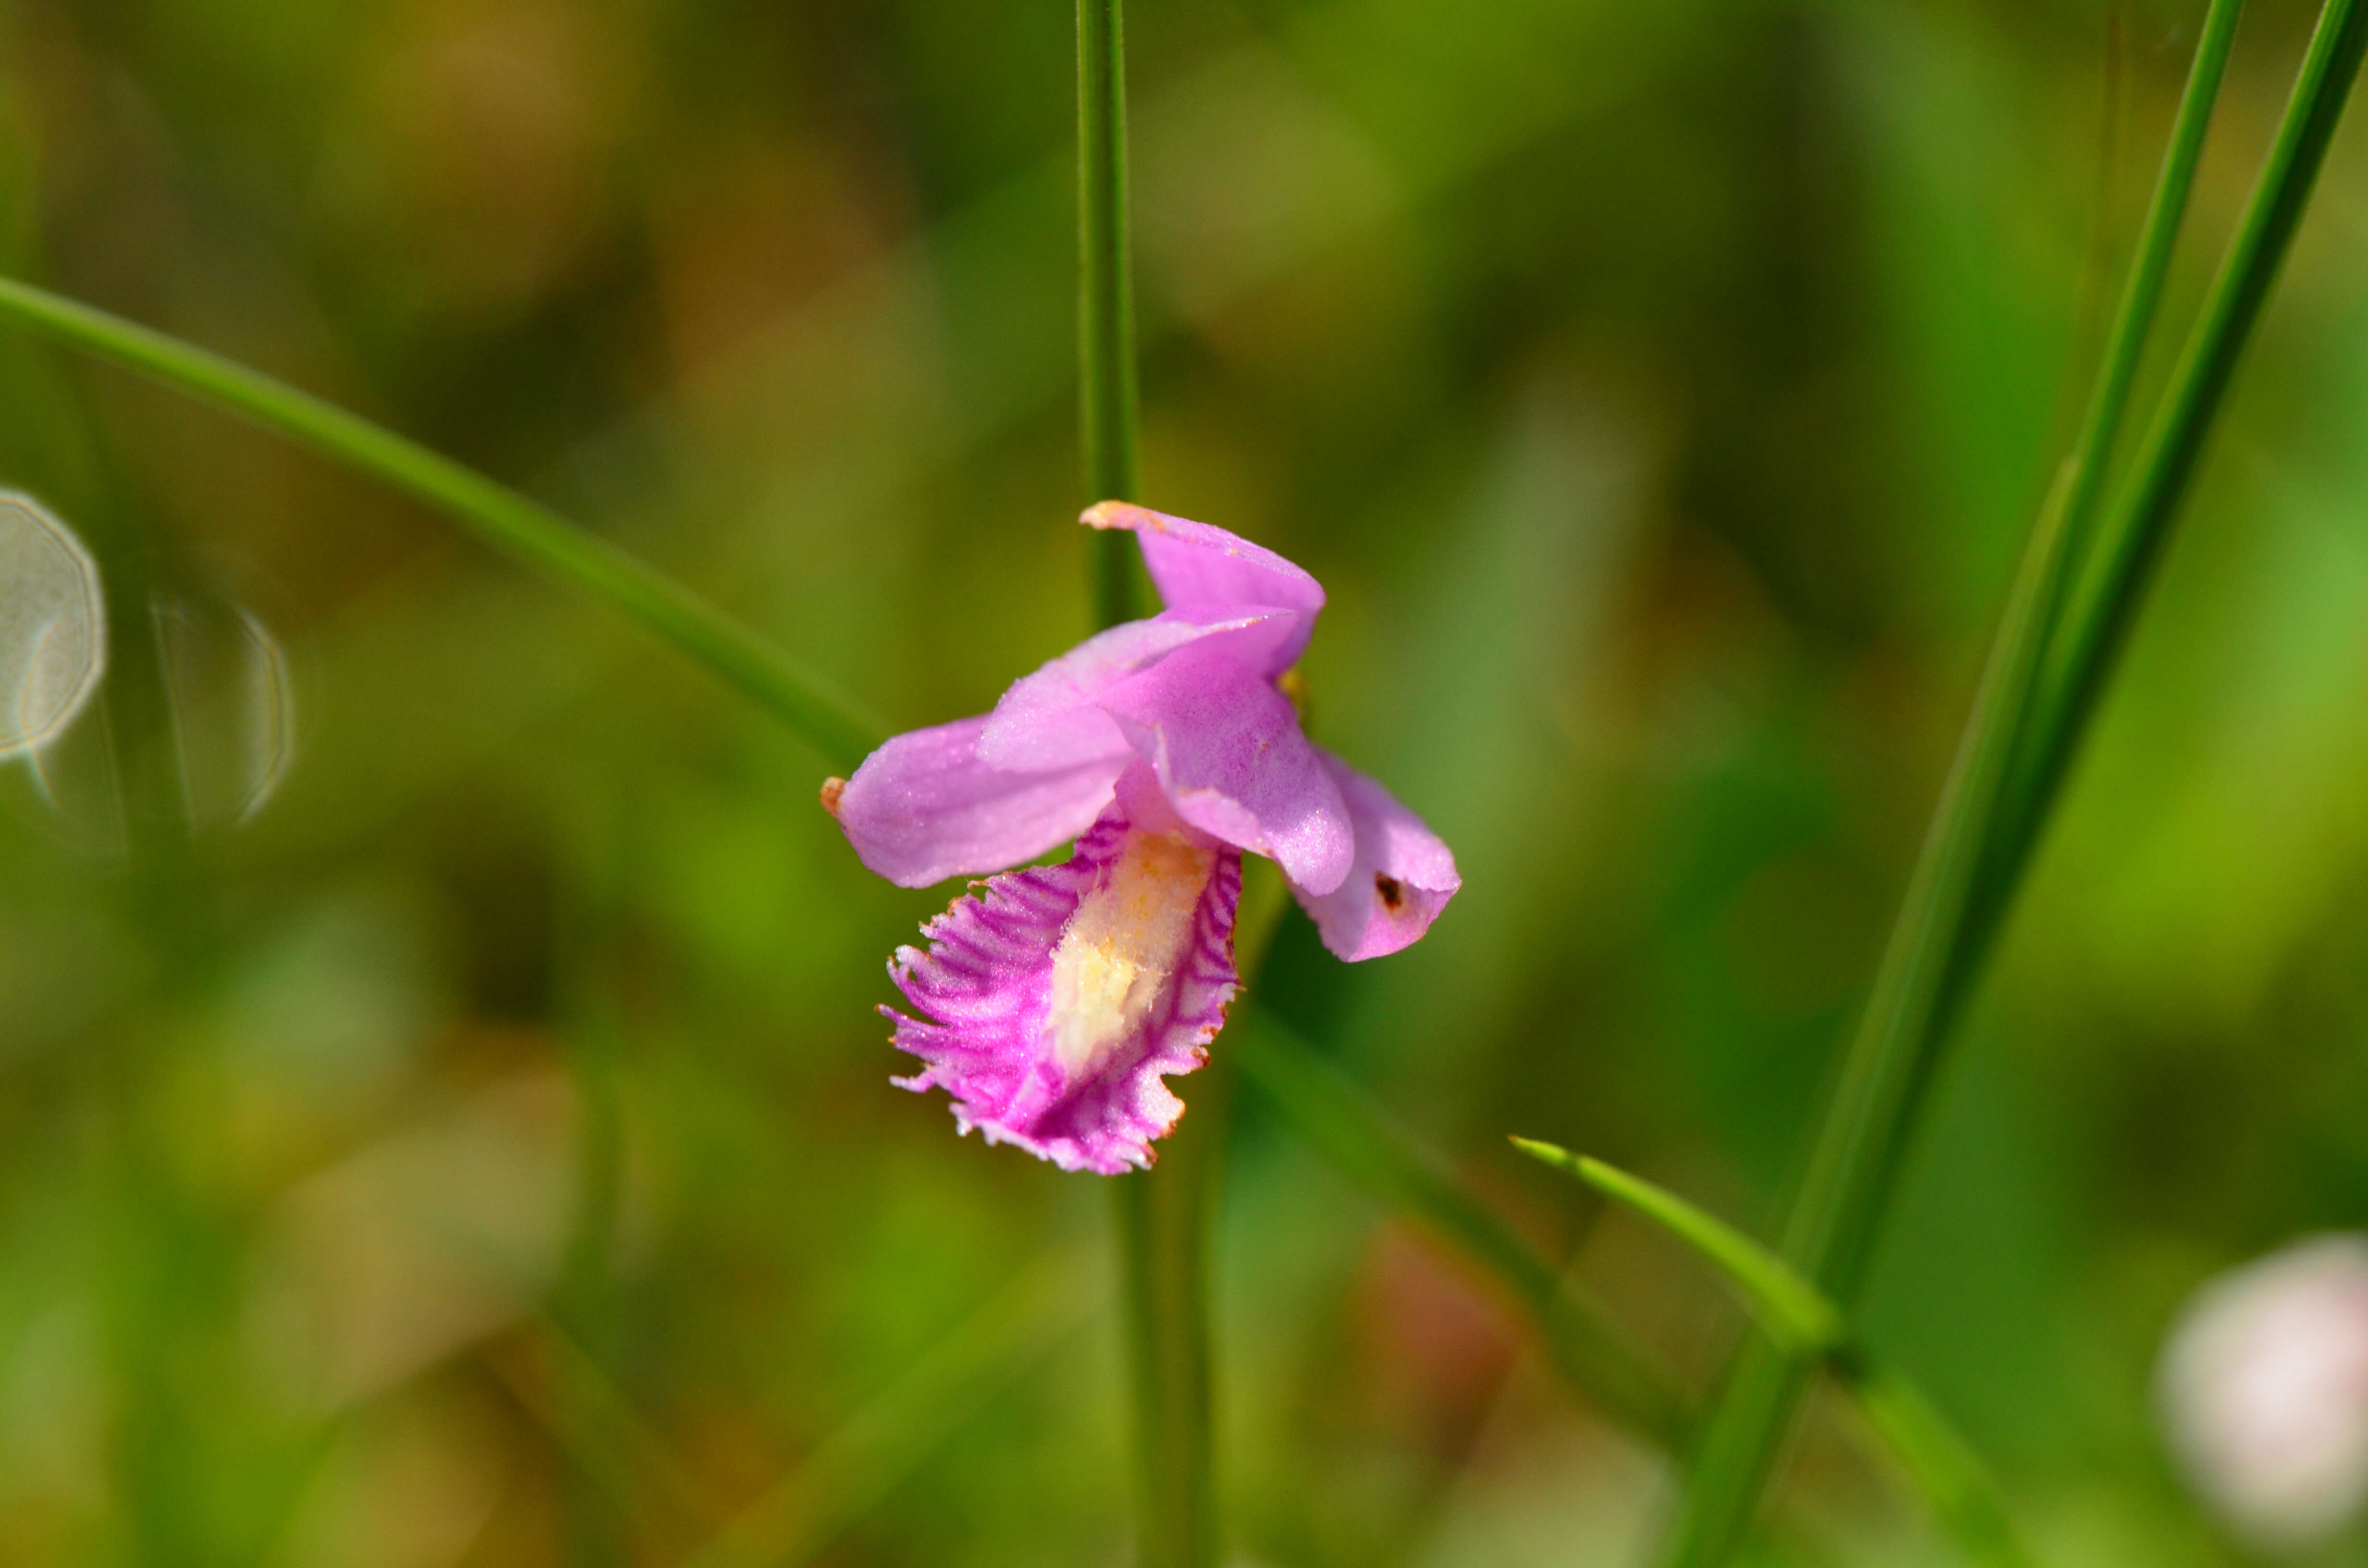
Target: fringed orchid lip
(1057, 1001)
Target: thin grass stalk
(1161, 1215)
(1860, 1149)
(525, 530)
(2125, 342)
(591, 969)
(2031, 780)
(855, 1469)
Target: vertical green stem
(1106, 302)
(1162, 1214)
(1162, 1218)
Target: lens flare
(53, 626)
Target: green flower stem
(1162, 1214)
(1930, 1451)
(524, 529)
(1332, 1114)
(1106, 299)
(1163, 1224)
(1986, 827)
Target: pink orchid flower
(1057, 1002)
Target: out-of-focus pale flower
(2264, 1390)
(1055, 1005)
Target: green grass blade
(2091, 457)
(605, 1441)
(1983, 828)
(2141, 293)
(2099, 617)
(1953, 1482)
(524, 529)
(1328, 1111)
(1927, 1448)
(1790, 1305)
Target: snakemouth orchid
(1055, 1002)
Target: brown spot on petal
(1392, 895)
(832, 788)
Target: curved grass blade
(1939, 1461)
(526, 530)
(1333, 1115)
(605, 1441)
(1790, 1304)
(1942, 1466)
(855, 1469)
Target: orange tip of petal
(1121, 515)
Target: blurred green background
(442, 1116)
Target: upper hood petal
(1054, 718)
(1228, 752)
(1196, 565)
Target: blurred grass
(1659, 391)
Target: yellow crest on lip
(1122, 949)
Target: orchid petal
(1228, 752)
(1196, 565)
(1403, 876)
(925, 807)
(1052, 719)
(997, 991)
